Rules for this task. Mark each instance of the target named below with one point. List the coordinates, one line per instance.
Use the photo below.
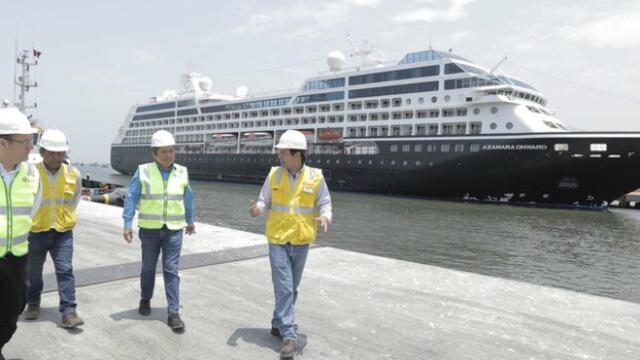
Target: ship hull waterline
(524, 170)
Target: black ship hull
(568, 169)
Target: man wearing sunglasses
(20, 194)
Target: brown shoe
(288, 348)
(71, 320)
(32, 312)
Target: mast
(23, 82)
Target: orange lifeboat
(329, 135)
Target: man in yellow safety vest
(298, 200)
(20, 197)
(166, 208)
(52, 230)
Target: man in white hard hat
(52, 229)
(19, 201)
(166, 208)
(298, 200)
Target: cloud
(143, 57)
(307, 20)
(456, 10)
(613, 31)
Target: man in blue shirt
(166, 208)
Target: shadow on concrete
(157, 314)
(263, 338)
(51, 314)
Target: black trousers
(12, 294)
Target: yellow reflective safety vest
(293, 212)
(16, 202)
(162, 202)
(56, 210)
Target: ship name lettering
(514, 147)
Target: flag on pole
(37, 53)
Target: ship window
(418, 148)
(459, 148)
(561, 147)
(393, 148)
(433, 129)
(494, 109)
(447, 112)
(418, 163)
(444, 147)
(405, 162)
(447, 129)
(406, 148)
(434, 113)
(493, 126)
(599, 147)
(475, 128)
(461, 128)
(447, 98)
(434, 99)
(393, 162)
(476, 111)
(461, 112)
(509, 125)
(474, 147)
(420, 100)
(408, 101)
(431, 147)
(359, 162)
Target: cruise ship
(433, 125)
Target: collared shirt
(53, 179)
(323, 200)
(7, 177)
(133, 198)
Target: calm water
(591, 252)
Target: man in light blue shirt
(166, 208)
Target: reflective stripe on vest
(293, 207)
(162, 202)
(16, 202)
(57, 210)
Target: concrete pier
(350, 306)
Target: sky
(100, 58)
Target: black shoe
(174, 322)
(2, 357)
(145, 307)
(275, 332)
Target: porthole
(434, 99)
(420, 100)
(447, 98)
(476, 111)
(509, 125)
(408, 101)
(493, 126)
(494, 109)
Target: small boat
(257, 139)
(224, 140)
(329, 135)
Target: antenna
(365, 52)
(493, 69)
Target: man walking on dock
(19, 201)
(52, 230)
(297, 198)
(166, 208)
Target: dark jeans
(12, 296)
(60, 246)
(170, 242)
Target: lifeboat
(257, 139)
(224, 140)
(329, 135)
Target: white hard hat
(12, 121)
(292, 139)
(54, 140)
(162, 138)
